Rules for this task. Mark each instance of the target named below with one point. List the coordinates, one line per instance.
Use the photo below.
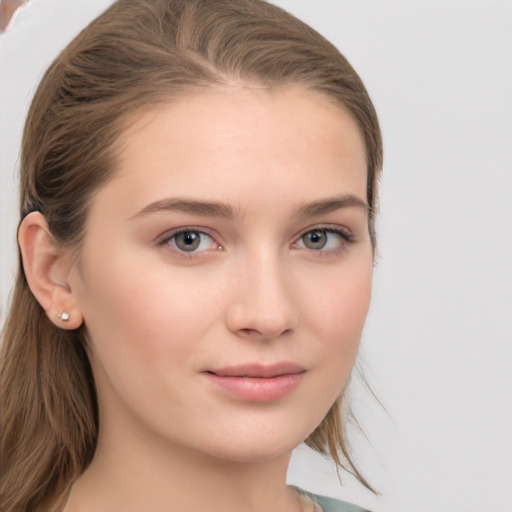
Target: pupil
(188, 241)
(315, 240)
(189, 238)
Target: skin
(158, 317)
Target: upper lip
(259, 371)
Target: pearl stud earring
(64, 316)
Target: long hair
(136, 55)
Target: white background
(438, 346)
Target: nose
(262, 305)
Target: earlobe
(47, 267)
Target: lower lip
(257, 389)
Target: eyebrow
(223, 210)
(328, 205)
(193, 206)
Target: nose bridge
(262, 303)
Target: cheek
(336, 313)
(338, 310)
(145, 332)
(142, 316)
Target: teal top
(333, 505)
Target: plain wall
(437, 349)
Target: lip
(257, 382)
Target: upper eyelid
(331, 228)
(345, 235)
(170, 233)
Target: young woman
(198, 189)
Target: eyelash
(346, 238)
(170, 235)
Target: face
(225, 274)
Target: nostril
(263, 333)
(249, 332)
(264, 313)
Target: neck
(130, 473)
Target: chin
(253, 454)
(259, 445)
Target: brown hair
(138, 54)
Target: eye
(323, 239)
(189, 241)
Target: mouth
(256, 382)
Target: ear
(47, 267)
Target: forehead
(236, 143)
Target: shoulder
(334, 505)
